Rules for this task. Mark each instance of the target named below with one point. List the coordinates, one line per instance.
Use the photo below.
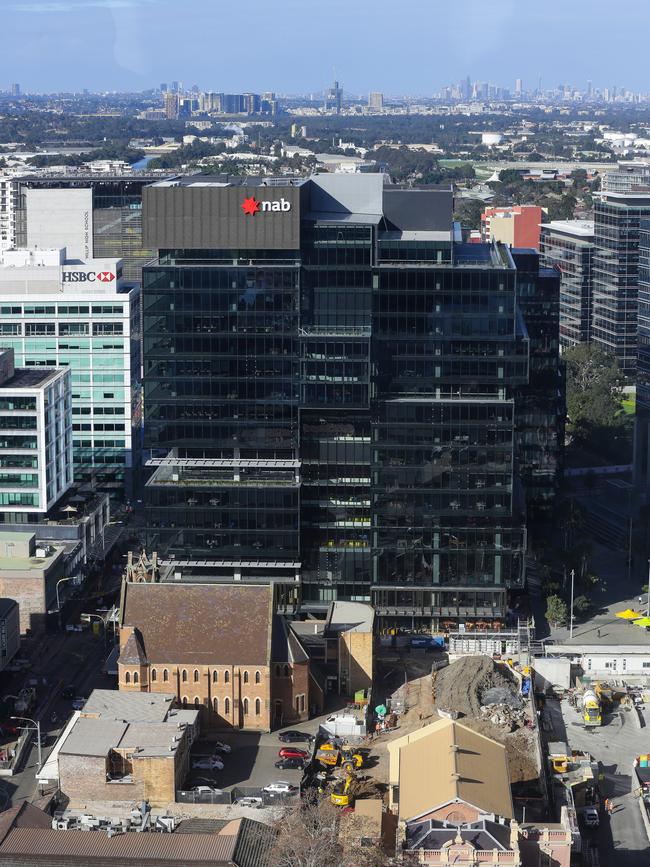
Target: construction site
(492, 697)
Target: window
(297, 704)
(278, 671)
(127, 677)
(645, 665)
(136, 677)
(196, 675)
(226, 677)
(215, 705)
(184, 676)
(226, 706)
(286, 671)
(184, 701)
(165, 675)
(258, 677)
(245, 677)
(258, 706)
(245, 707)
(215, 676)
(302, 703)
(154, 675)
(197, 701)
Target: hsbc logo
(252, 206)
(88, 276)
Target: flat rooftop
(30, 377)
(129, 706)
(580, 228)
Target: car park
(290, 763)
(209, 764)
(295, 736)
(292, 753)
(248, 802)
(280, 787)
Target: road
(621, 838)
(64, 658)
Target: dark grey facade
(338, 417)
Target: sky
(298, 46)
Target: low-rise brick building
(126, 748)
(218, 648)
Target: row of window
(280, 671)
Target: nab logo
(88, 276)
(252, 206)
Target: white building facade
(36, 465)
(81, 315)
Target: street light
(87, 617)
(37, 727)
(60, 581)
(573, 575)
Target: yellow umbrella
(644, 622)
(628, 614)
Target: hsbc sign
(88, 276)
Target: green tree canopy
(557, 611)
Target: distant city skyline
(125, 45)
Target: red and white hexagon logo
(105, 276)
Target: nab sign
(88, 276)
(252, 206)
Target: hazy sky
(290, 46)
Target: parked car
(280, 787)
(248, 802)
(78, 702)
(292, 763)
(291, 737)
(206, 790)
(68, 693)
(591, 817)
(220, 747)
(210, 764)
(293, 753)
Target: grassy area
(629, 404)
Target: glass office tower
(331, 394)
(615, 274)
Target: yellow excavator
(341, 796)
(331, 756)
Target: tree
(469, 212)
(557, 611)
(308, 836)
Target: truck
(591, 709)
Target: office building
(334, 98)
(172, 103)
(57, 312)
(331, 388)
(518, 87)
(514, 225)
(92, 216)
(15, 89)
(36, 443)
(569, 246)
(627, 177)
(29, 575)
(614, 326)
(376, 102)
(642, 415)
(541, 403)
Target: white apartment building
(35, 436)
(82, 315)
(8, 199)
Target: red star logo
(251, 206)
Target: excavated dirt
(471, 682)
